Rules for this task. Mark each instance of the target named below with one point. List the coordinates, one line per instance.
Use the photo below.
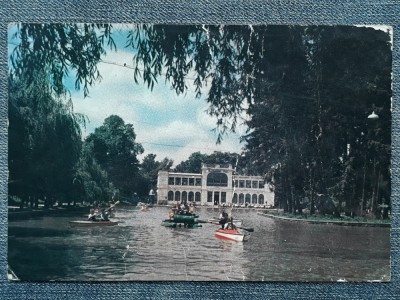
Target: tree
(44, 142)
(58, 50)
(115, 149)
(91, 181)
(309, 128)
(149, 169)
(194, 163)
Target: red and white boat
(229, 234)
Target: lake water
(139, 248)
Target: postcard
(149, 152)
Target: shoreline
(26, 213)
(326, 222)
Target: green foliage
(217, 54)
(330, 218)
(310, 126)
(91, 181)
(115, 149)
(58, 50)
(44, 141)
(149, 169)
(194, 162)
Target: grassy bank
(324, 219)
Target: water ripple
(139, 248)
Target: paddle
(249, 229)
(107, 209)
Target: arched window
(248, 197)
(178, 196)
(235, 199)
(241, 199)
(254, 199)
(197, 197)
(217, 179)
(170, 196)
(261, 199)
(191, 196)
(184, 196)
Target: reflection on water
(139, 248)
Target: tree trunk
(363, 188)
(312, 201)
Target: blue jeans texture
(294, 12)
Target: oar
(249, 229)
(107, 209)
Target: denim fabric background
(296, 12)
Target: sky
(165, 124)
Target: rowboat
(186, 220)
(229, 234)
(92, 223)
(172, 224)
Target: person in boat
(223, 219)
(230, 224)
(183, 207)
(104, 216)
(186, 205)
(191, 208)
(92, 215)
(176, 207)
(180, 209)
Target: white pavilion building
(216, 185)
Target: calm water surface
(139, 248)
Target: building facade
(216, 185)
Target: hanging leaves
(58, 50)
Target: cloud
(179, 139)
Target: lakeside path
(342, 223)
